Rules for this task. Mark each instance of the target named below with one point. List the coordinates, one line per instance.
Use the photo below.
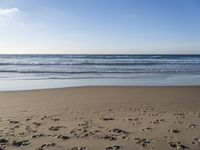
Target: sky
(100, 26)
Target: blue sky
(100, 26)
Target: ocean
(49, 71)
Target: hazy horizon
(99, 53)
(99, 27)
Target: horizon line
(99, 54)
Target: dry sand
(97, 118)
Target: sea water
(23, 72)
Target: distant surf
(111, 69)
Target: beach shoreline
(102, 86)
(21, 85)
(101, 117)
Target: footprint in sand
(143, 142)
(55, 119)
(46, 146)
(30, 130)
(27, 119)
(147, 129)
(13, 122)
(119, 131)
(56, 128)
(63, 137)
(15, 127)
(178, 145)
(79, 148)
(192, 126)
(37, 123)
(108, 137)
(196, 141)
(113, 147)
(107, 118)
(44, 117)
(3, 141)
(20, 143)
(38, 135)
(173, 131)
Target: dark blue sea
(49, 71)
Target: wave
(100, 72)
(101, 63)
(84, 66)
(75, 60)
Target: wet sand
(110, 118)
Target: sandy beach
(110, 118)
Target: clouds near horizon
(8, 12)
